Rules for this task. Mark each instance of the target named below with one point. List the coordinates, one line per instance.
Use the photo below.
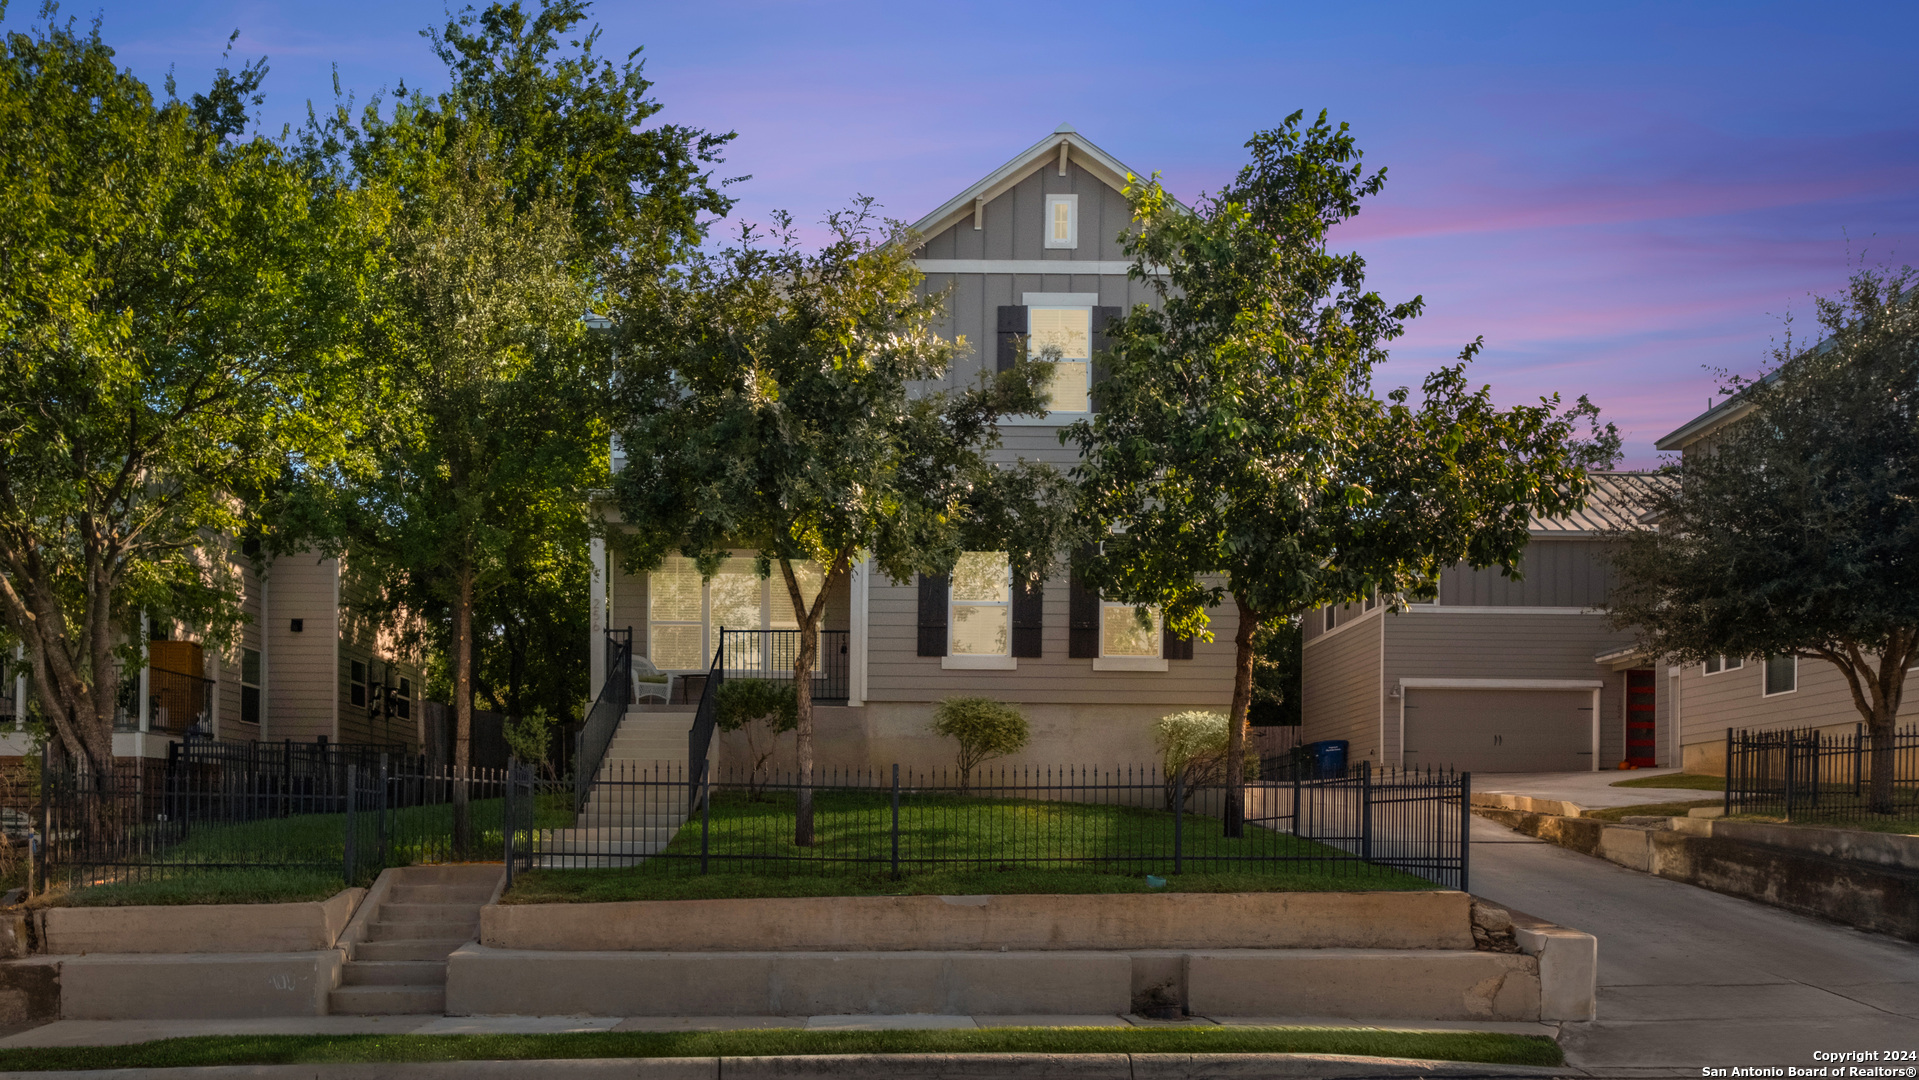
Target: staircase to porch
(623, 822)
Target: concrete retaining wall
(192, 987)
(1427, 984)
(201, 928)
(1886, 849)
(1135, 921)
(1868, 895)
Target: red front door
(1642, 748)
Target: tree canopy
(1794, 530)
(770, 407)
(1237, 449)
(174, 310)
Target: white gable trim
(1101, 164)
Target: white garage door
(1499, 730)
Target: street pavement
(1690, 979)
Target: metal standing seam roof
(1617, 500)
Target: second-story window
(1070, 331)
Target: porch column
(597, 602)
(857, 590)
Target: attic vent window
(1062, 221)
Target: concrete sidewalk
(124, 1032)
(1590, 790)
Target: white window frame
(772, 591)
(1765, 677)
(1071, 202)
(1726, 664)
(1130, 663)
(980, 661)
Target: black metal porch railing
(603, 719)
(1808, 775)
(176, 702)
(769, 654)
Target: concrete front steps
(398, 964)
(621, 825)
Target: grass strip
(1664, 809)
(271, 885)
(1687, 781)
(1483, 1047)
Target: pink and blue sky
(1621, 197)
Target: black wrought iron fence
(1828, 777)
(350, 816)
(1371, 824)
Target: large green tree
(1238, 451)
(772, 407)
(173, 307)
(1795, 530)
(516, 191)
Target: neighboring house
(1766, 694)
(304, 666)
(1496, 674)
(1030, 250)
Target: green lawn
(1676, 780)
(304, 853)
(994, 844)
(1480, 1047)
(1667, 809)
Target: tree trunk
(1877, 694)
(1249, 622)
(462, 708)
(808, 616)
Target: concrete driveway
(1690, 979)
(1592, 790)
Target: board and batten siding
(1013, 228)
(897, 673)
(1555, 573)
(1340, 691)
(1430, 642)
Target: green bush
(765, 710)
(1193, 745)
(984, 729)
(528, 736)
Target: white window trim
(1727, 664)
(1764, 665)
(1072, 222)
(773, 598)
(1102, 662)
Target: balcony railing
(176, 702)
(769, 654)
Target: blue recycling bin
(1329, 758)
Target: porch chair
(644, 686)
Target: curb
(850, 1067)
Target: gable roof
(1107, 168)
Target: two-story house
(1030, 250)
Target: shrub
(765, 709)
(528, 737)
(1192, 746)
(984, 729)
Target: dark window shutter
(1175, 648)
(933, 589)
(1012, 327)
(1028, 616)
(1082, 634)
(1101, 316)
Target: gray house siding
(1736, 699)
(1432, 643)
(1340, 692)
(1555, 573)
(304, 666)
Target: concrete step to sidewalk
(394, 973)
(408, 948)
(402, 893)
(465, 930)
(391, 912)
(387, 1000)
